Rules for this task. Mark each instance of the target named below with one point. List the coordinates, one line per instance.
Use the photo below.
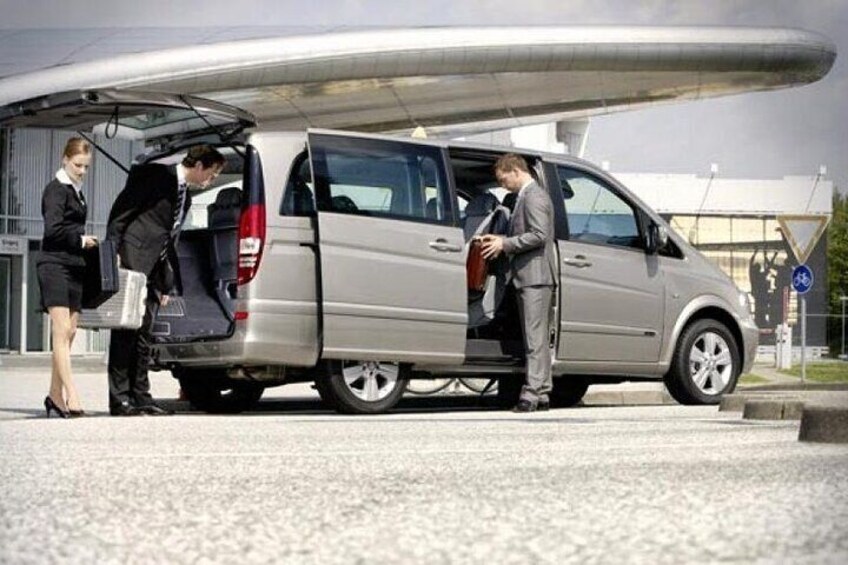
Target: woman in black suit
(61, 267)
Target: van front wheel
(212, 391)
(705, 365)
(363, 387)
(568, 391)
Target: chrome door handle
(443, 245)
(579, 261)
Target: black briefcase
(101, 274)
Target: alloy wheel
(371, 381)
(710, 363)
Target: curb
(773, 410)
(798, 387)
(824, 424)
(736, 402)
(628, 398)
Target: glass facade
(755, 254)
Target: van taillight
(251, 241)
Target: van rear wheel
(705, 365)
(214, 392)
(363, 387)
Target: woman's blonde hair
(75, 146)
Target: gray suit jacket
(530, 243)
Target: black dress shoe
(124, 410)
(543, 405)
(154, 409)
(524, 406)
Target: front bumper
(750, 341)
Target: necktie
(178, 220)
(178, 211)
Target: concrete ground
(446, 482)
(630, 393)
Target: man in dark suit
(144, 223)
(533, 269)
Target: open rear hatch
(219, 234)
(157, 118)
(219, 249)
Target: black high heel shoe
(76, 413)
(50, 405)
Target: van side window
(299, 197)
(596, 214)
(380, 178)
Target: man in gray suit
(533, 269)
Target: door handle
(443, 245)
(578, 261)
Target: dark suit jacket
(64, 224)
(140, 223)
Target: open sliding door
(392, 255)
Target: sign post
(843, 356)
(802, 282)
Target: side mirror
(657, 238)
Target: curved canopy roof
(453, 80)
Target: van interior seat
(485, 215)
(431, 209)
(223, 224)
(304, 201)
(477, 211)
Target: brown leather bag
(476, 267)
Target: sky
(760, 135)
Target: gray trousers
(534, 305)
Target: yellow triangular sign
(802, 233)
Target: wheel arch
(701, 309)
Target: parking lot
(440, 482)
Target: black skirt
(61, 285)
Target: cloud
(769, 134)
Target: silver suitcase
(124, 309)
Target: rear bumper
(224, 353)
(244, 348)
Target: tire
(363, 387)
(705, 365)
(213, 392)
(568, 391)
(509, 390)
(327, 398)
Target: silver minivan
(341, 258)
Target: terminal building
(740, 224)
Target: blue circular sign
(802, 279)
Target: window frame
(319, 143)
(639, 215)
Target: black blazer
(64, 224)
(141, 219)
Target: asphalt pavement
(447, 482)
